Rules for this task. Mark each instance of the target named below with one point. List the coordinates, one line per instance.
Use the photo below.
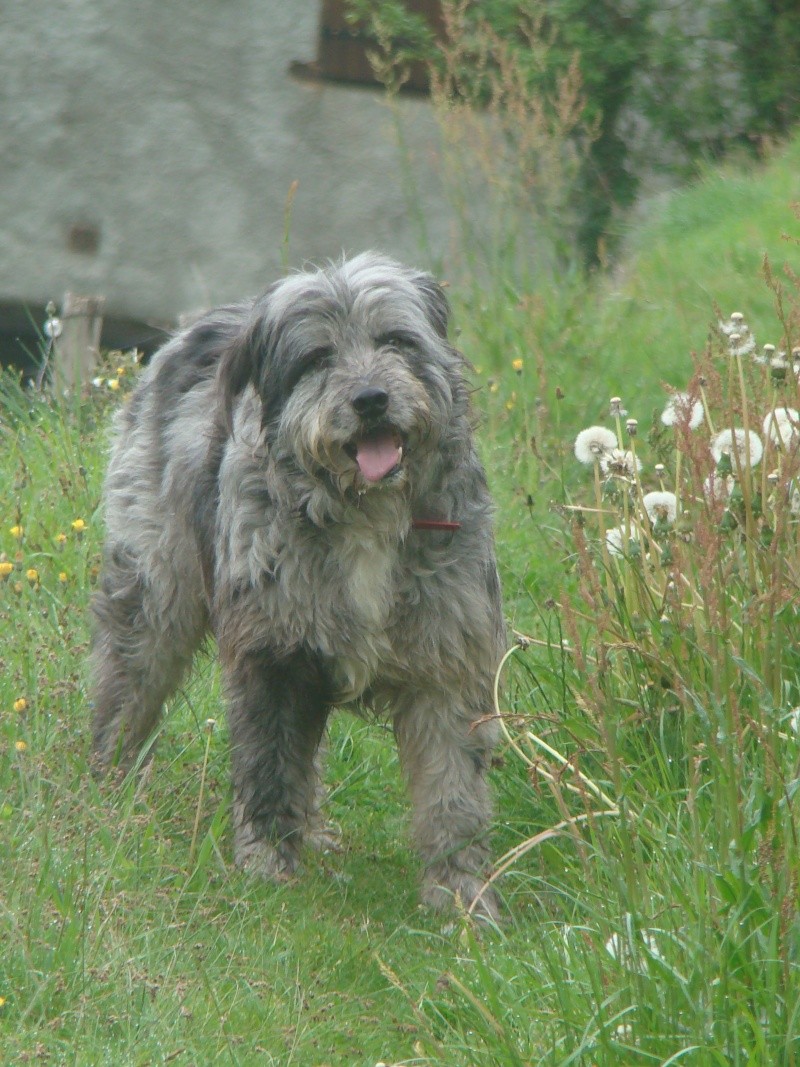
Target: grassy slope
(119, 946)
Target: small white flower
(593, 443)
(683, 410)
(740, 441)
(782, 425)
(661, 506)
(620, 463)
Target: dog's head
(353, 369)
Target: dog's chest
(366, 573)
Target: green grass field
(648, 784)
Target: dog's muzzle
(378, 450)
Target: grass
(653, 901)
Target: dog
(297, 476)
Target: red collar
(435, 524)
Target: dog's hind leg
(146, 633)
(278, 706)
(445, 755)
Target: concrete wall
(147, 149)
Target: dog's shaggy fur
(277, 478)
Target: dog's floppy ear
(437, 305)
(239, 366)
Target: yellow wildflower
(16, 531)
(6, 567)
(20, 746)
(493, 387)
(32, 574)
(63, 577)
(20, 704)
(61, 539)
(517, 364)
(2, 1001)
(120, 371)
(78, 525)
(113, 384)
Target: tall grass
(647, 814)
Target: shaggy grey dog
(297, 475)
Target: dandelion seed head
(593, 443)
(661, 507)
(717, 487)
(738, 442)
(620, 463)
(53, 328)
(617, 542)
(735, 325)
(782, 425)
(682, 409)
(741, 345)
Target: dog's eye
(316, 357)
(396, 339)
(312, 360)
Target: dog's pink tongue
(377, 455)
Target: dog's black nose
(372, 400)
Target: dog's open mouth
(378, 454)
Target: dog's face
(354, 371)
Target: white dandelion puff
(741, 341)
(741, 344)
(617, 543)
(661, 507)
(683, 410)
(620, 463)
(717, 487)
(739, 441)
(782, 426)
(593, 443)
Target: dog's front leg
(278, 706)
(446, 756)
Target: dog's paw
(451, 889)
(266, 861)
(324, 836)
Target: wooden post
(76, 351)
